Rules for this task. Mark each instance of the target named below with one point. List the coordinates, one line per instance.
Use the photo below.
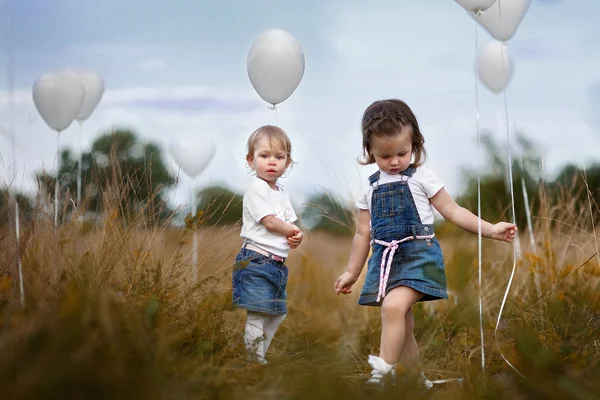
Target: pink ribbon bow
(386, 260)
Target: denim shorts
(418, 264)
(259, 283)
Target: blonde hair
(276, 137)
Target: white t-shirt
(423, 185)
(259, 201)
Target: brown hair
(276, 137)
(388, 117)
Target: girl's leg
(410, 351)
(272, 322)
(396, 328)
(396, 305)
(254, 335)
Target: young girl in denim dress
(259, 274)
(396, 218)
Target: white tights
(260, 329)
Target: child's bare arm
(278, 226)
(358, 254)
(360, 244)
(466, 220)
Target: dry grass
(114, 312)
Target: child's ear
(250, 161)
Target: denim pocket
(236, 283)
(389, 203)
(284, 272)
(247, 257)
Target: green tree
(7, 207)
(119, 168)
(568, 186)
(219, 206)
(495, 181)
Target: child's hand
(294, 241)
(504, 231)
(344, 283)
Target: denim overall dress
(405, 251)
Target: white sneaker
(382, 372)
(256, 359)
(424, 382)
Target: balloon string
(57, 178)
(194, 239)
(274, 109)
(80, 166)
(477, 125)
(11, 112)
(512, 197)
(536, 276)
(11, 87)
(19, 263)
(527, 208)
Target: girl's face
(392, 153)
(268, 163)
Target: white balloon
(476, 6)
(275, 65)
(495, 66)
(193, 159)
(93, 91)
(503, 18)
(58, 97)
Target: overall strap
(409, 171)
(374, 178)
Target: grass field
(115, 312)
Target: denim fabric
(259, 283)
(418, 264)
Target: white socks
(382, 372)
(260, 329)
(424, 382)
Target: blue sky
(177, 70)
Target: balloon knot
(478, 13)
(272, 107)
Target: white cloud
(112, 49)
(153, 64)
(593, 108)
(424, 55)
(37, 143)
(166, 92)
(420, 53)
